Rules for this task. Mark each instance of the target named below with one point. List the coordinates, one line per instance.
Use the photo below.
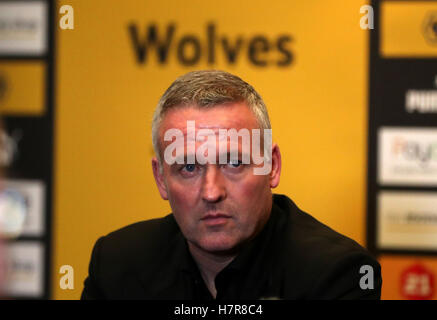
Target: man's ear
(275, 173)
(159, 178)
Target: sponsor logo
(417, 283)
(421, 101)
(430, 28)
(24, 269)
(420, 218)
(407, 220)
(13, 212)
(415, 151)
(22, 208)
(9, 151)
(190, 49)
(23, 27)
(407, 156)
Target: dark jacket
(293, 257)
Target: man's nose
(213, 187)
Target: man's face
(217, 206)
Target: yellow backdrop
(105, 99)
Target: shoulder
(309, 237)
(119, 258)
(133, 246)
(324, 258)
(144, 231)
(304, 231)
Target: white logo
(23, 27)
(407, 156)
(407, 220)
(9, 145)
(13, 212)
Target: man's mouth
(215, 219)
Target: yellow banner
(22, 88)
(408, 29)
(306, 58)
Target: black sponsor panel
(27, 164)
(393, 82)
(402, 98)
(30, 150)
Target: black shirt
(293, 257)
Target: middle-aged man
(228, 237)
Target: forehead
(226, 116)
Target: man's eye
(235, 163)
(189, 167)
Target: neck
(209, 265)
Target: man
(228, 237)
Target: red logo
(417, 283)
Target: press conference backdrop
(95, 88)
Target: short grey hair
(207, 88)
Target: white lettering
(67, 280)
(366, 21)
(67, 20)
